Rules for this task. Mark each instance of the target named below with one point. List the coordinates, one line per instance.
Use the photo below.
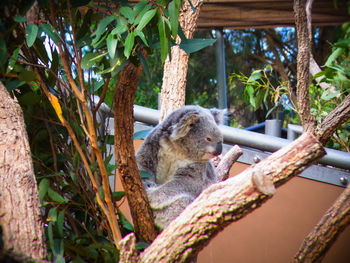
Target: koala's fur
(170, 199)
(176, 154)
(189, 134)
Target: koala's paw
(263, 183)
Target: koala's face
(199, 137)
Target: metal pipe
(221, 70)
(250, 139)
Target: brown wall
(274, 232)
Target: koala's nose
(218, 148)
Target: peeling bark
(23, 233)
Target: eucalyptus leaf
(31, 34)
(127, 12)
(43, 187)
(142, 36)
(101, 27)
(195, 44)
(139, 15)
(335, 54)
(174, 9)
(129, 44)
(146, 18)
(111, 45)
(164, 45)
(118, 195)
(256, 75)
(54, 196)
(51, 32)
(52, 215)
(20, 19)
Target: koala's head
(196, 133)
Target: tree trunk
(228, 201)
(125, 155)
(175, 70)
(20, 220)
(317, 243)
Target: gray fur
(177, 154)
(181, 139)
(170, 199)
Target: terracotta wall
(274, 232)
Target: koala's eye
(208, 139)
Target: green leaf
(195, 44)
(164, 45)
(140, 13)
(146, 18)
(98, 85)
(55, 196)
(117, 196)
(329, 94)
(13, 60)
(174, 8)
(142, 36)
(52, 215)
(128, 13)
(13, 84)
(60, 223)
(141, 245)
(101, 27)
(27, 75)
(51, 32)
(20, 19)
(88, 60)
(111, 45)
(256, 75)
(129, 44)
(335, 54)
(117, 65)
(43, 187)
(31, 34)
(141, 134)
(125, 223)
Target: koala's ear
(220, 116)
(181, 128)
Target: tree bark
(125, 155)
(175, 70)
(229, 201)
(23, 233)
(303, 26)
(317, 243)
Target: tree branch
(125, 154)
(317, 243)
(227, 161)
(303, 25)
(229, 201)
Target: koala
(168, 200)
(188, 135)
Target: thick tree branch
(303, 21)
(23, 232)
(229, 201)
(125, 154)
(317, 243)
